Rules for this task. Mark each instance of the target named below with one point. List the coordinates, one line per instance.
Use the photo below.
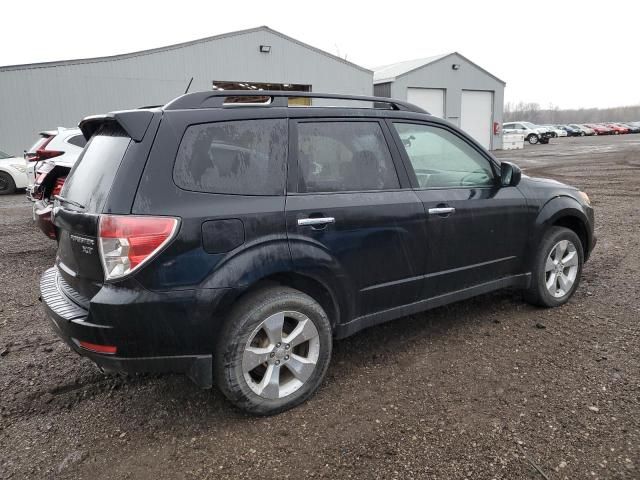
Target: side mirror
(510, 174)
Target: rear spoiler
(133, 122)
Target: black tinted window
(344, 156)
(241, 157)
(91, 177)
(78, 141)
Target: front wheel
(532, 139)
(557, 268)
(7, 185)
(273, 351)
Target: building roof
(176, 46)
(389, 73)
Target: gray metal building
(451, 87)
(43, 96)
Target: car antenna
(188, 86)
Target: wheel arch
(314, 287)
(564, 211)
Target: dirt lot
(481, 389)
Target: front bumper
(72, 323)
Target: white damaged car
(13, 174)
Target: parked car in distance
(235, 243)
(62, 144)
(557, 132)
(51, 158)
(532, 133)
(599, 129)
(13, 175)
(583, 129)
(571, 132)
(633, 128)
(617, 129)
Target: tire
(582, 134)
(7, 185)
(544, 273)
(533, 139)
(240, 374)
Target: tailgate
(77, 210)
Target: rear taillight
(46, 154)
(42, 153)
(57, 187)
(126, 242)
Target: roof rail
(279, 98)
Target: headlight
(585, 198)
(19, 166)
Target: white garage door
(431, 99)
(477, 115)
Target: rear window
(244, 157)
(77, 140)
(38, 143)
(91, 177)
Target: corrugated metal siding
(36, 99)
(382, 90)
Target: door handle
(315, 221)
(441, 211)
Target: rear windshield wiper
(70, 202)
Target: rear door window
(343, 157)
(245, 157)
(90, 179)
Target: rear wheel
(7, 185)
(533, 139)
(273, 351)
(557, 268)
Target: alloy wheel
(281, 354)
(561, 268)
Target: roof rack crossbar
(278, 98)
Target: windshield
(90, 179)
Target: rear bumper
(73, 325)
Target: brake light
(126, 242)
(42, 153)
(57, 187)
(46, 154)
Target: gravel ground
(485, 388)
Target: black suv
(231, 237)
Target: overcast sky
(570, 54)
